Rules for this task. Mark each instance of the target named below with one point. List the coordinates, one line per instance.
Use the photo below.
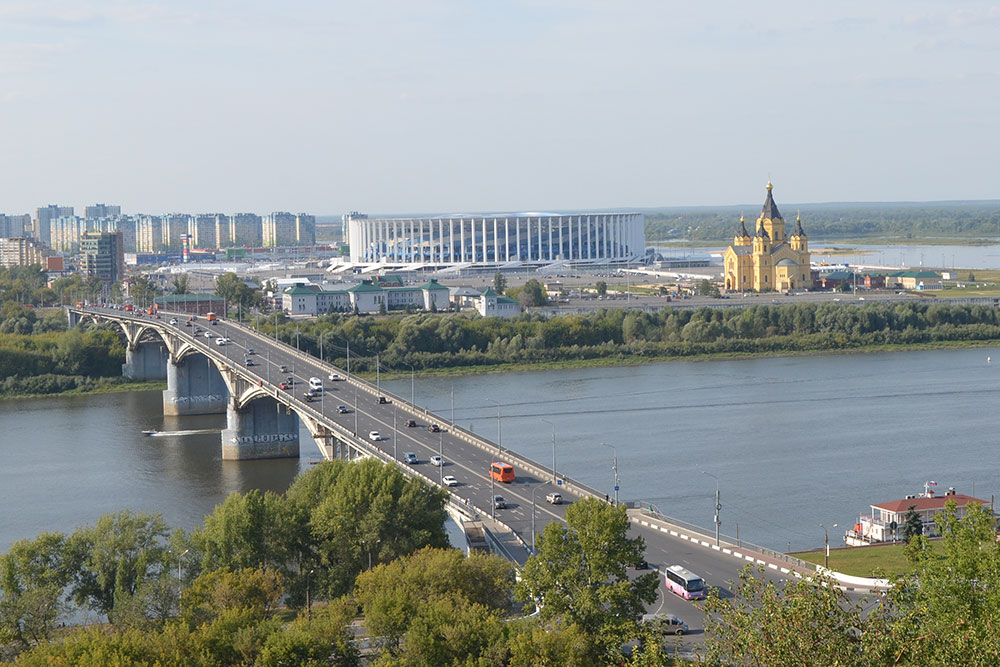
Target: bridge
(262, 421)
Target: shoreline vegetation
(456, 344)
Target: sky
(430, 106)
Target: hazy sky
(466, 105)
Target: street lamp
(615, 468)
(441, 454)
(499, 432)
(412, 385)
(553, 449)
(179, 559)
(308, 600)
(718, 506)
(826, 543)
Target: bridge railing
(650, 510)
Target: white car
(449, 480)
(173, 321)
(334, 377)
(374, 436)
(220, 341)
(437, 461)
(208, 334)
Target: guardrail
(650, 510)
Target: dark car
(411, 423)
(434, 428)
(283, 368)
(499, 502)
(343, 409)
(382, 400)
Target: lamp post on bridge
(499, 431)
(826, 544)
(718, 506)
(553, 449)
(412, 385)
(614, 466)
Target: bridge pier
(262, 429)
(194, 387)
(148, 361)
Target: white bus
(685, 583)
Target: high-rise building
(278, 229)
(223, 231)
(44, 215)
(65, 233)
(12, 226)
(102, 211)
(21, 251)
(129, 227)
(149, 234)
(305, 229)
(102, 255)
(201, 229)
(245, 229)
(173, 226)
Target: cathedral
(769, 260)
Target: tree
(602, 288)
(499, 283)
(972, 277)
(393, 596)
(531, 294)
(253, 590)
(33, 575)
(800, 622)
(708, 288)
(141, 290)
(114, 556)
(580, 574)
(913, 525)
(179, 283)
(235, 291)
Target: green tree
(33, 576)
(179, 283)
(253, 590)
(236, 292)
(913, 525)
(319, 641)
(112, 557)
(392, 596)
(580, 575)
(602, 288)
(708, 288)
(142, 290)
(499, 283)
(532, 294)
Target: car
(208, 334)
(382, 400)
(343, 409)
(220, 341)
(250, 351)
(499, 503)
(410, 423)
(249, 363)
(290, 380)
(283, 368)
(410, 457)
(173, 320)
(434, 428)
(437, 461)
(308, 398)
(374, 436)
(188, 323)
(284, 385)
(554, 499)
(449, 480)
(668, 624)
(334, 377)
(310, 393)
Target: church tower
(742, 236)
(799, 240)
(770, 218)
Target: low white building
(491, 304)
(366, 297)
(886, 520)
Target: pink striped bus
(685, 583)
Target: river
(794, 442)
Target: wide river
(794, 442)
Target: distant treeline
(892, 220)
(446, 341)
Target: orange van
(502, 472)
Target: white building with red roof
(885, 523)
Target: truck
(212, 319)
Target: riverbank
(107, 389)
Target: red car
(284, 385)
(411, 423)
(434, 428)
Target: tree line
(427, 341)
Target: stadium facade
(533, 238)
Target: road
(467, 462)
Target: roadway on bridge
(467, 462)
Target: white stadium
(499, 240)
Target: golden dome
(769, 186)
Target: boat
(149, 431)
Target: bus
(502, 472)
(212, 319)
(685, 583)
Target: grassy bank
(110, 389)
(878, 560)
